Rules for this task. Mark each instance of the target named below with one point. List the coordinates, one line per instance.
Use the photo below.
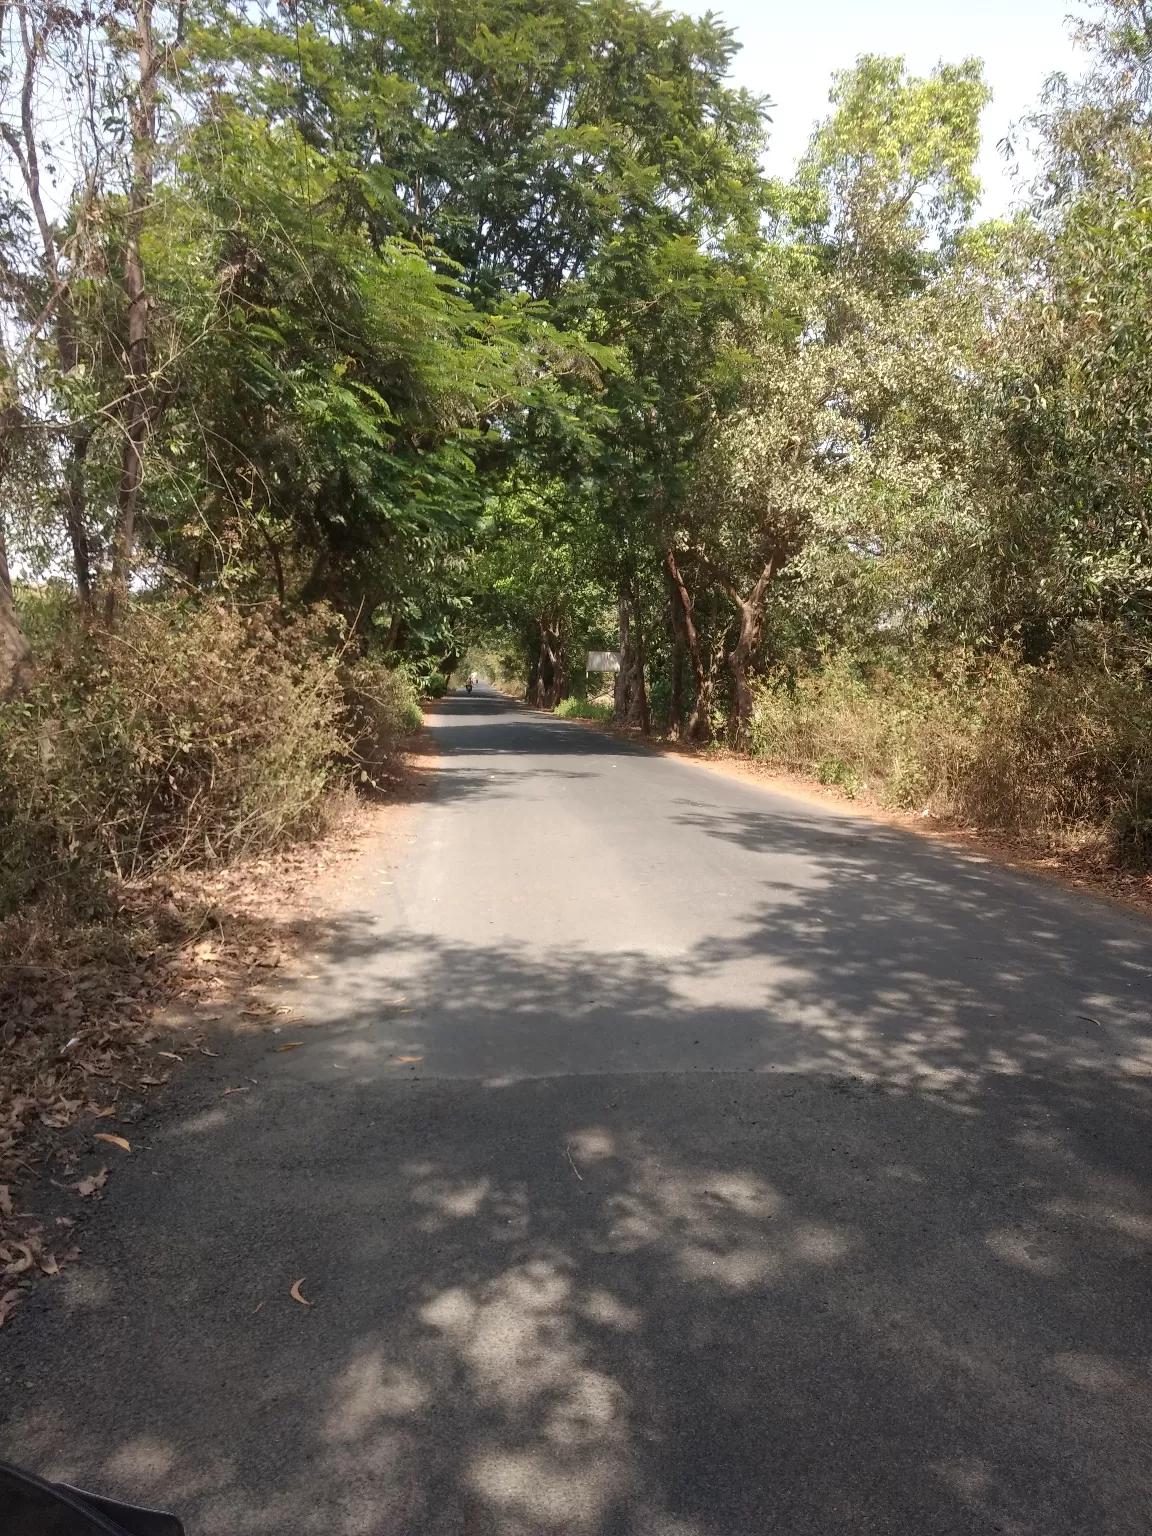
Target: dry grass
(185, 737)
(189, 737)
(1061, 755)
(98, 1018)
(155, 785)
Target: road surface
(674, 1158)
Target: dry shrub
(1061, 752)
(381, 708)
(188, 736)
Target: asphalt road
(675, 1158)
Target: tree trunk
(16, 663)
(751, 612)
(738, 662)
(630, 701)
(546, 684)
(621, 688)
(15, 652)
(74, 499)
(700, 724)
(679, 651)
(25, 149)
(638, 714)
(559, 674)
(143, 121)
(544, 668)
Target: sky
(791, 47)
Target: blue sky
(791, 47)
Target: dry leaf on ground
(8, 1304)
(291, 1046)
(117, 1141)
(77, 1000)
(296, 1296)
(18, 1266)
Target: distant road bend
(675, 1158)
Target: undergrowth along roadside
(583, 709)
(188, 736)
(147, 777)
(1058, 755)
(100, 1018)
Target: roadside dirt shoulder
(101, 1022)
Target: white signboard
(603, 661)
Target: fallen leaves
(22, 1258)
(93, 1184)
(78, 1004)
(227, 1091)
(117, 1141)
(13, 1266)
(296, 1296)
(405, 1059)
(75, 1001)
(291, 1046)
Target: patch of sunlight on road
(518, 1342)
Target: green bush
(833, 770)
(582, 709)
(435, 686)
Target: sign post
(603, 661)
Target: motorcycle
(30, 1506)
(468, 686)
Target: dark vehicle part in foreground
(29, 1506)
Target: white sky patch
(790, 51)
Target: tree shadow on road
(863, 1251)
(727, 1305)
